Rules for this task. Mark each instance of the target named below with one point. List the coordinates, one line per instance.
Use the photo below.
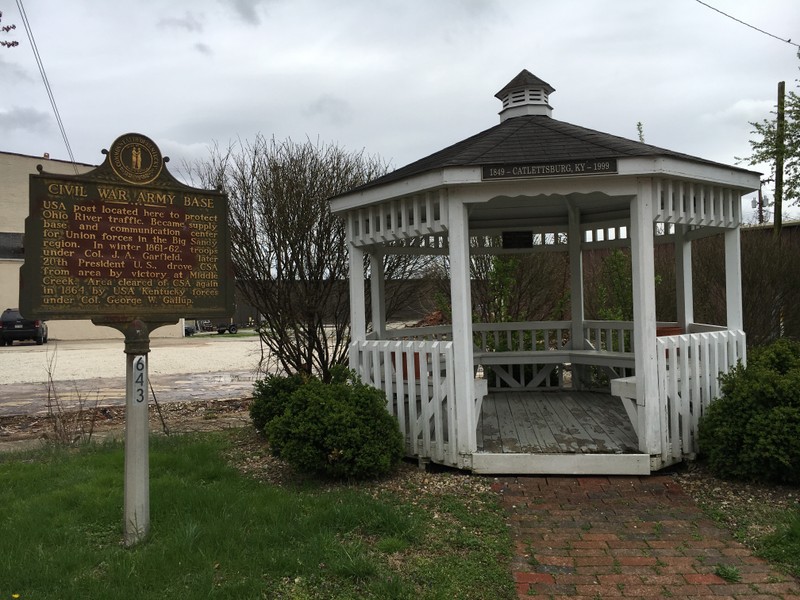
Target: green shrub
(753, 430)
(270, 396)
(339, 429)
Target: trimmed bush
(753, 431)
(339, 429)
(270, 396)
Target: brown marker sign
(125, 240)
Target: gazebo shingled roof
(531, 139)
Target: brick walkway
(635, 537)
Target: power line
(787, 41)
(47, 87)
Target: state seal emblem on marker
(136, 159)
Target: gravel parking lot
(71, 360)
(203, 368)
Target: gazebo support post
(358, 320)
(377, 293)
(461, 301)
(644, 319)
(576, 289)
(683, 278)
(733, 279)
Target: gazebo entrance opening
(567, 396)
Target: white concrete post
(733, 279)
(644, 319)
(461, 299)
(377, 285)
(683, 277)
(137, 454)
(576, 288)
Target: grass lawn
(218, 533)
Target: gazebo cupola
(526, 94)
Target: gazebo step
(561, 464)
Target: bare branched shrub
(71, 423)
(520, 287)
(506, 288)
(288, 250)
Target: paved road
(198, 368)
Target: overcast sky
(397, 78)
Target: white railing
(418, 380)
(688, 380)
(432, 333)
(705, 328)
(537, 351)
(521, 337)
(417, 375)
(609, 336)
(408, 217)
(696, 203)
(529, 336)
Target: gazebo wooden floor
(558, 422)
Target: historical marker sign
(128, 246)
(125, 240)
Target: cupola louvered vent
(526, 94)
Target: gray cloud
(203, 48)
(25, 119)
(11, 72)
(189, 22)
(400, 78)
(246, 9)
(335, 110)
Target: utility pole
(780, 134)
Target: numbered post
(137, 455)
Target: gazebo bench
(597, 358)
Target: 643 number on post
(140, 378)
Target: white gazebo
(515, 397)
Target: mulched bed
(178, 417)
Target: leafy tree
(765, 148)
(640, 131)
(501, 288)
(6, 29)
(507, 288)
(289, 251)
(609, 285)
